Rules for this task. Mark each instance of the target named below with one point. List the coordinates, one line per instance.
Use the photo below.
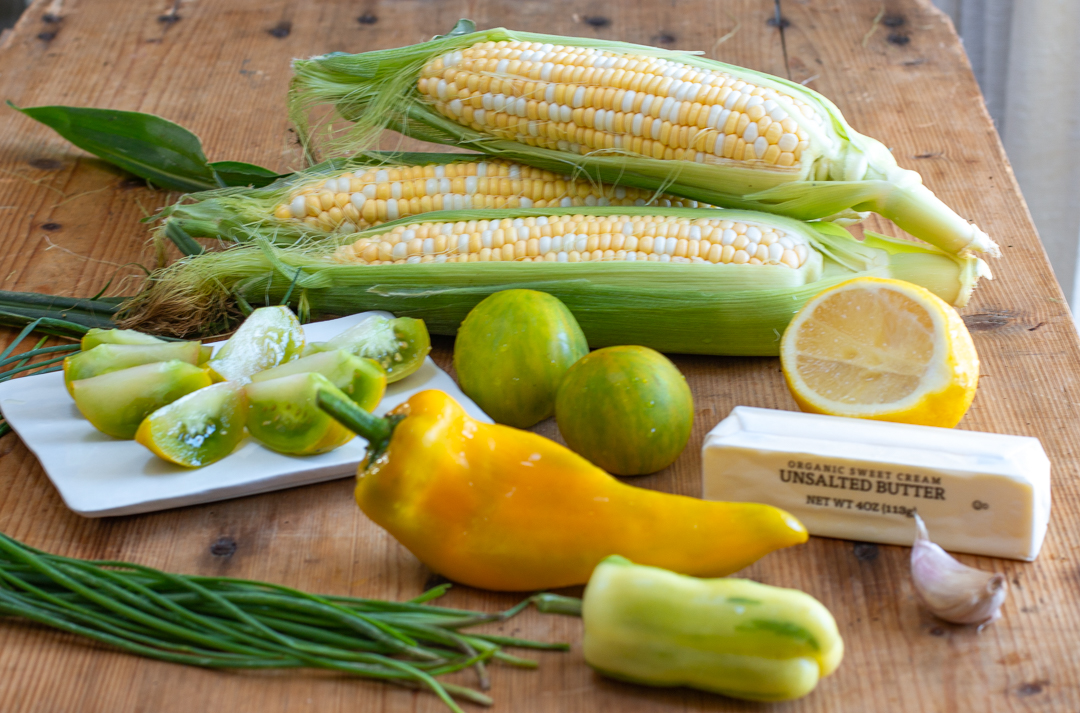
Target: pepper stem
(556, 604)
(374, 428)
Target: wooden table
(898, 72)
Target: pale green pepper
(730, 636)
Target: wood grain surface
(69, 224)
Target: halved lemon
(881, 349)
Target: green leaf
(463, 27)
(238, 173)
(165, 154)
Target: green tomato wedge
(106, 358)
(116, 403)
(399, 345)
(198, 429)
(268, 337)
(283, 415)
(362, 380)
(96, 337)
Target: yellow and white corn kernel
(367, 197)
(584, 99)
(654, 238)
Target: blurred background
(1026, 57)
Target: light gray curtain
(1026, 56)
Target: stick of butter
(856, 479)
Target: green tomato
(398, 345)
(198, 429)
(116, 403)
(511, 352)
(627, 409)
(362, 380)
(284, 415)
(268, 337)
(107, 358)
(96, 337)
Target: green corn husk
(673, 307)
(378, 90)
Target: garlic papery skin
(951, 590)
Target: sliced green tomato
(268, 337)
(361, 379)
(116, 403)
(283, 415)
(198, 429)
(106, 358)
(96, 337)
(399, 345)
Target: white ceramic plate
(98, 475)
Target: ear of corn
(647, 117)
(678, 304)
(347, 196)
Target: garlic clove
(950, 590)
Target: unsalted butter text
(831, 476)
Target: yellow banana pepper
(730, 636)
(498, 508)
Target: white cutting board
(98, 475)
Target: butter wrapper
(856, 479)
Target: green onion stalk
(696, 308)
(55, 315)
(51, 315)
(841, 171)
(219, 622)
(30, 361)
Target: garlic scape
(953, 591)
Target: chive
(218, 622)
(37, 352)
(521, 643)
(21, 336)
(56, 302)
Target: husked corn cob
(645, 117)
(580, 238)
(584, 99)
(343, 197)
(356, 200)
